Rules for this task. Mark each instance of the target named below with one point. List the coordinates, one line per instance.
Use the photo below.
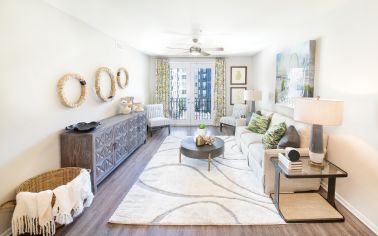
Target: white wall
(346, 69)
(38, 44)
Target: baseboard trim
(373, 227)
(7, 232)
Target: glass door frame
(190, 65)
(193, 68)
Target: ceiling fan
(197, 50)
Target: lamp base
(316, 149)
(253, 107)
(317, 165)
(316, 158)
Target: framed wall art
(237, 95)
(295, 70)
(238, 75)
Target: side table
(307, 207)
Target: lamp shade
(318, 111)
(252, 95)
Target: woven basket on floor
(49, 180)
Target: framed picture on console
(238, 75)
(237, 95)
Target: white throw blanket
(34, 214)
(71, 197)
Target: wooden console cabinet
(105, 148)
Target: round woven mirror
(110, 96)
(83, 90)
(121, 71)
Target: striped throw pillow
(272, 137)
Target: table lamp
(318, 112)
(252, 95)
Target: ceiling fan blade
(205, 53)
(220, 49)
(177, 48)
(185, 52)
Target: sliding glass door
(191, 86)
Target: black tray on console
(83, 126)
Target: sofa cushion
(273, 135)
(258, 124)
(239, 130)
(256, 151)
(250, 138)
(290, 139)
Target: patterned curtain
(219, 90)
(162, 84)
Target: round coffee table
(190, 149)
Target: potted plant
(201, 129)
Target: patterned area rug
(170, 193)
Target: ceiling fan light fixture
(194, 51)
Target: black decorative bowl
(83, 126)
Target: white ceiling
(242, 27)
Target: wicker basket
(49, 180)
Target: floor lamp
(253, 96)
(318, 112)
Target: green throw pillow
(272, 137)
(259, 124)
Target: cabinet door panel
(120, 140)
(104, 152)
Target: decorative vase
(200, 141)
(124, 108)
(201, 132)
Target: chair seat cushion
(158, 121)
(228, 120)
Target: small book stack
(290, 165)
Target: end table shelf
(307, 206)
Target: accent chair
(156, 119)
(238, 111)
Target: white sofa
(259, 159)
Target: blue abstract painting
(295, 70)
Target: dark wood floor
(111, 192)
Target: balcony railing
(202, 109)
(179, 109)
